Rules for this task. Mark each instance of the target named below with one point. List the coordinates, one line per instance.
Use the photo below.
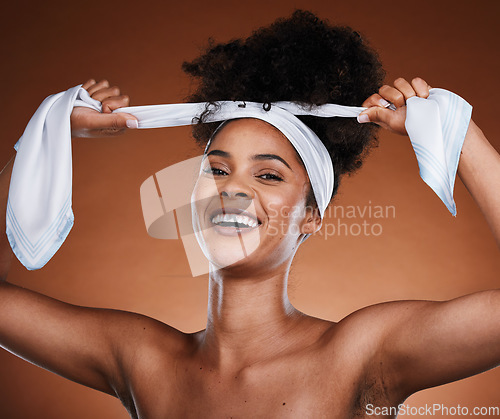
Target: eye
(215, 171)
(271, 176)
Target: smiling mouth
(233, 221)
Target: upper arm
(5, 250)
(433, 343)
(479, 169)
(87, 345)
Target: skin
(265, 187)
(259, 356)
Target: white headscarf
(39, 214)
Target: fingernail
(362, 118)
(384, 103)
(132, 123)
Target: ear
(312, 221)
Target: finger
(384, 117)
(103, 84)
(421, 87)
(112, 123)
(392, 95)
(88, 83)
(405, 88)
(105, 93)
(112, 103)
(376, 100)
(375, 114)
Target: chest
(293, 388)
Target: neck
(249, 318)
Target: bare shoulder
(407, 346)
(143, 349)
(361, 336)
(356, 350)
(141, 343)
(135, 334)
(374, 321)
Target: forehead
(253, 136)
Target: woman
(259, 356)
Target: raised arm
(60, 337)
(5, 250)
(430, 343)
(479, 170)
(479, 164)
(82, 344)
(424, 344)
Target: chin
(227, 235)
(227, 247)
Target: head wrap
(309, 147)
(280, 115)
(39, 213)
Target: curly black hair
(302, 59)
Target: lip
(233, 231)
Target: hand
(377, 104)
(86, 122)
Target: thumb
(129, 120)
(376, 114)
(386, 118)
(112, 123)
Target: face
(249, 201)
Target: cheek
(205, 187)
(285, 209)
(204, 190)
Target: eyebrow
(254, 157)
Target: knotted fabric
(39, 213)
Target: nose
(234, 186)
(229, 194)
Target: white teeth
(234, 218)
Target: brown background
(108, 259)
